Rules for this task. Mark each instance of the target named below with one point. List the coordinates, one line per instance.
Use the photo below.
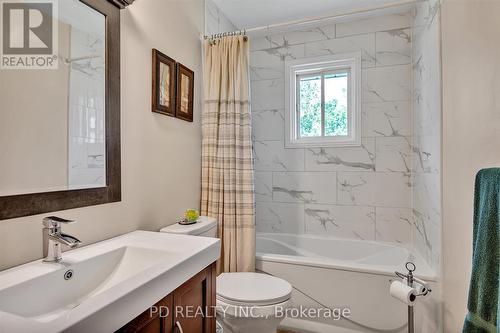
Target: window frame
(323, 65)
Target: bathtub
(339, 273)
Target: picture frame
(164, 84)
(185, 93)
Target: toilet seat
(252, 289)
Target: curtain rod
(318, 19)
(225, 34)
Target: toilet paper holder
(423, 289)
(423, 286)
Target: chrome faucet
(54, 239)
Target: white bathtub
(338, 273)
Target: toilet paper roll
(403, 292)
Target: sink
(102, 286)
(48, 296)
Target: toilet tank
(206, 227)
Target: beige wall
(160, 155)
(471, 133)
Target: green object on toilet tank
(191, 215)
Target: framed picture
(163, 99)
(185, 92)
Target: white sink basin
(51, 297)
(48, 296)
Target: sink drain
(68, 275)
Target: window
(323, 101)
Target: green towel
(483, 289)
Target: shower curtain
(227, 160)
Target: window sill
(322, 144)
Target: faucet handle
(55, 222)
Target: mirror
(52, 120)
(59, 126)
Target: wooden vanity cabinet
(188, 309)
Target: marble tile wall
(353, 192)
(426, 148)
(215, 20)
(389, 188)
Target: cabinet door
(152, 321)
(194, 304)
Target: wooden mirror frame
(37, 203)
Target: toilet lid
(252, 289)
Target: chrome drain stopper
(68, 275)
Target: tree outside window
(322, 105)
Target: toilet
(246, 302)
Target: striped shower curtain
(227, 162)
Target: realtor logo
(29, 34)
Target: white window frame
(323, 65)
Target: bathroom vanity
(112, 285)
(189, 308)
